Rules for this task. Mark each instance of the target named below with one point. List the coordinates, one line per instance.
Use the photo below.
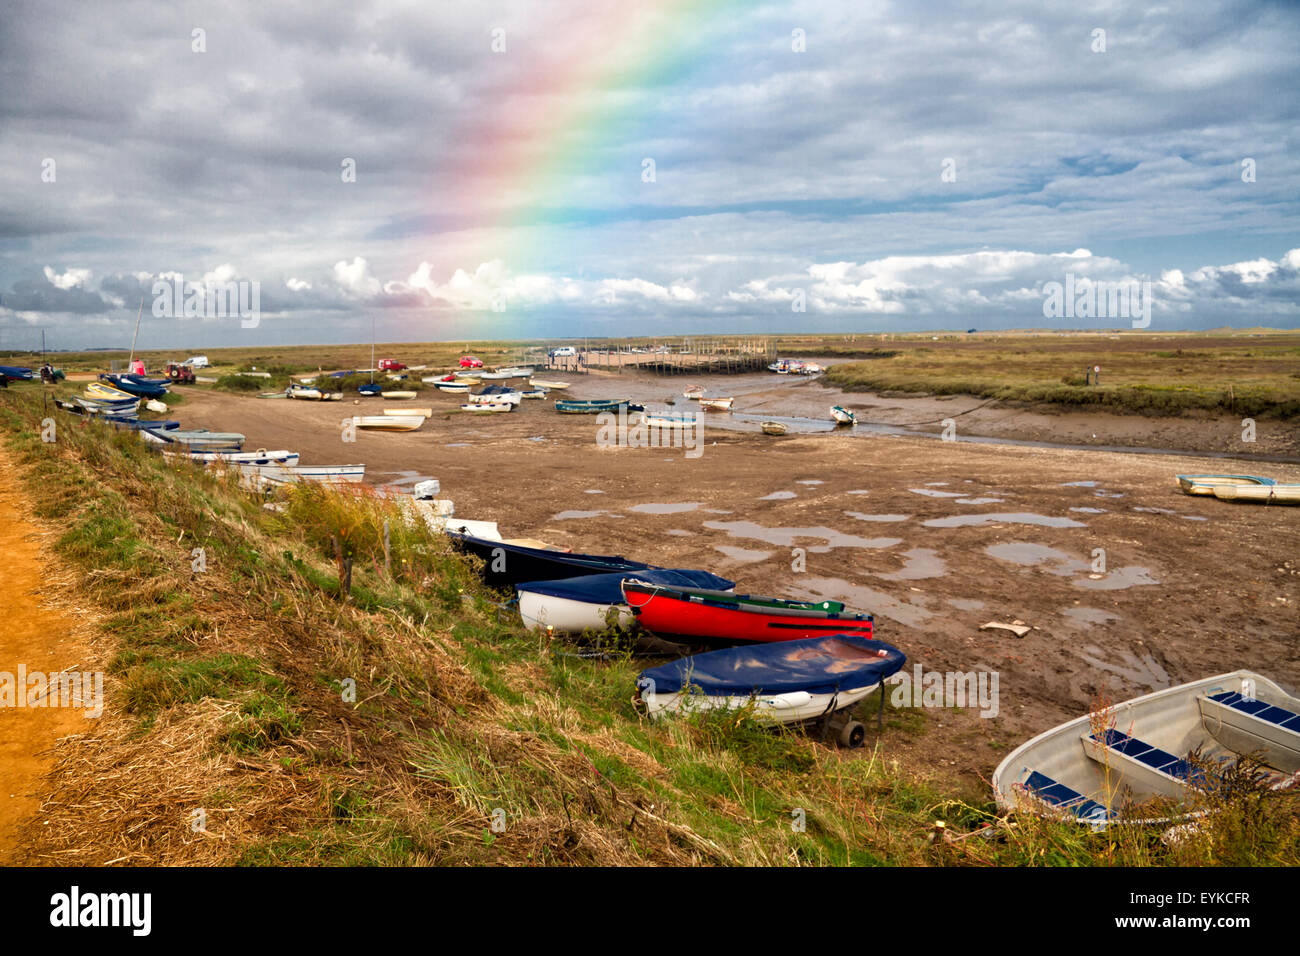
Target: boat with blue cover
(17, 372)
(137, 384)
(783, 683)
(506, 565)
(1154, 759)
(595, 601)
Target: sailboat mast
(135, 334)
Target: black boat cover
(608, 588)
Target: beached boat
(271, 395)
(497, 376)
(422, 412)
(459, 387)
(17, 372)
(495, 394)
(774, 428)
(507, 565)
(693, 391)
(699, 615)
(595, 601)
(547, 383)
(101, 392)
(258, 476)
(842, 416)
(1205, 484)
(259, 457)
(672, 421)
(534, 393)
(1151, 759)
(137, 384)
(1276, 493)
(370, 389)
(783, 683)
(136, 424)
(396, 396)
(306, 392)
(590, 406)
(716, 404)
(198, 439)
(516, 372)
(91, 407)
(388, 423)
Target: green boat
(589, 406)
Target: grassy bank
(391, 724)
(1151, 376)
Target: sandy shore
(935, 538)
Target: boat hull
(506, 565)
(697, 617)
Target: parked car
(180, 372)
(564, 351)
(392, 365)
(469, 361)
(197, 361)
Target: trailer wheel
(852, 734)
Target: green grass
(459, 713)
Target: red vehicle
(469, 361)
(391, 365)
(180, 373)
(723, 617)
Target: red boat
(722, 617)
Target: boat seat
(1161, 761)
(1258, 708)
(1061, 797)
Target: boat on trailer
(696, 615)
(1153, 759)
(784, 683)
(595, 601)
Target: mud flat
(936, 538)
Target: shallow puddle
(1090, 511)
(979, 501)
(680, 533)
(1118, 580)
(966, 604)
(665, 509)
(931, 493)
(1020, 517)
(744, 555)
(1028, 554)
(789, 537)
(810, 481)
(919, 564)
(778, 496)
(858, 491)
(593, 491)
(1145, 671)
(1089, 615)
(569, 515)
(1079, 484)
(867, 517)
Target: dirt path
(36, 637)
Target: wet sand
(1128, 584)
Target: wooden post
(387, 565)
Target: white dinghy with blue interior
(1155, 759)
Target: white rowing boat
(422, 412)
(389, 423)
(259, 457)
(547, 383)
(1152, 759)
(716, 404)
(398, 395)
(494, 407)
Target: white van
(564, 351)
(197, 361)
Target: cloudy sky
(508, 168)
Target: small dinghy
(595, 601)
(534, 393)
(130, 422)
(1206, 484)
(389, 423)
(507, 565)
(496, 394)
(716, 404)
(1150, 760)
(493, 407)
(842, 416)
(695, 615)
(693, 391)
(399, 395)
(547, 383)
(452, 386)
(259, 457)
(774, 428)
(197, 438)
(590, 406)
(137, 385)
(370, 389)
(672, 421)
(784, 683)
(422, 412)
(100, 392)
